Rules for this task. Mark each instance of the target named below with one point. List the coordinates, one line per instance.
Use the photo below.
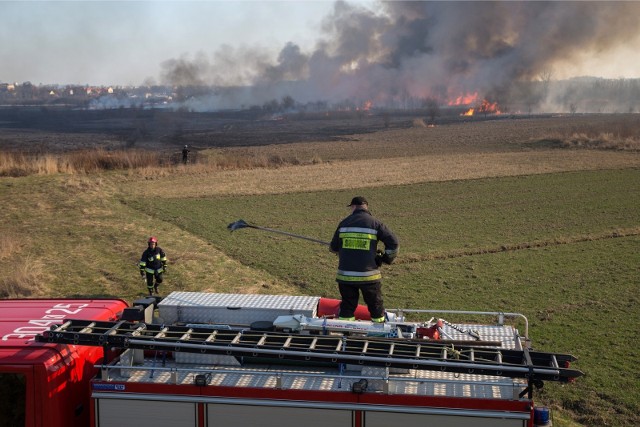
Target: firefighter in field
(185, 154)
(152, 264)
(356, 243)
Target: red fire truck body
(208, 360)
(46, 385)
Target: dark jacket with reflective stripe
(356, 241)
(153, 259)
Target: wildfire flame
(488, 107)
(467, 99)
(484, 107)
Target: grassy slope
(71, 236)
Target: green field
(562, 249)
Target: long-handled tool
(243, 224)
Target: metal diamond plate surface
(234, 309)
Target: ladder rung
(262, 340)
(391, 348)
(138, 330)
(63, 327)
(186, 335)
(237, 338)
(88, 328)
(162, 333)
(211, 337)
(114, 329)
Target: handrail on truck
(501, 315)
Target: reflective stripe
(362, 230)
(378, 319)
(358, 276)
(359, 273)
(391, 251)
(346, 318)
(152, 271)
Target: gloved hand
(164, 268)
(379, 258)
(387, 259)
(141, 273)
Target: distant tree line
(577, 95)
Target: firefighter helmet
(153, 240)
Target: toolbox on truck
(232, 309)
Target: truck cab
(46, 384)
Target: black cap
(359, 200)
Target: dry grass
(25, 279)
(78, 162)
(606, 141)
(10, 244)
(618, 133)
(391, 171)
(144, 163)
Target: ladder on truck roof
(369, 351)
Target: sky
(131, 43)
(125, 42)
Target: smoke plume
(401, 50)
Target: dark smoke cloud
(418, 49)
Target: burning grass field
(491, 215)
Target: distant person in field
(153, 264)
(185, 154)
(356, 243)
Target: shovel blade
(237, 225)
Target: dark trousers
(150, 276)
(371, 292)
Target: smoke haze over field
(440, 50)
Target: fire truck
(206, 359)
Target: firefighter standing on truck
(152, 264)
(356, 243)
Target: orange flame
(484, 107)
(467, 99)
(488, 107)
